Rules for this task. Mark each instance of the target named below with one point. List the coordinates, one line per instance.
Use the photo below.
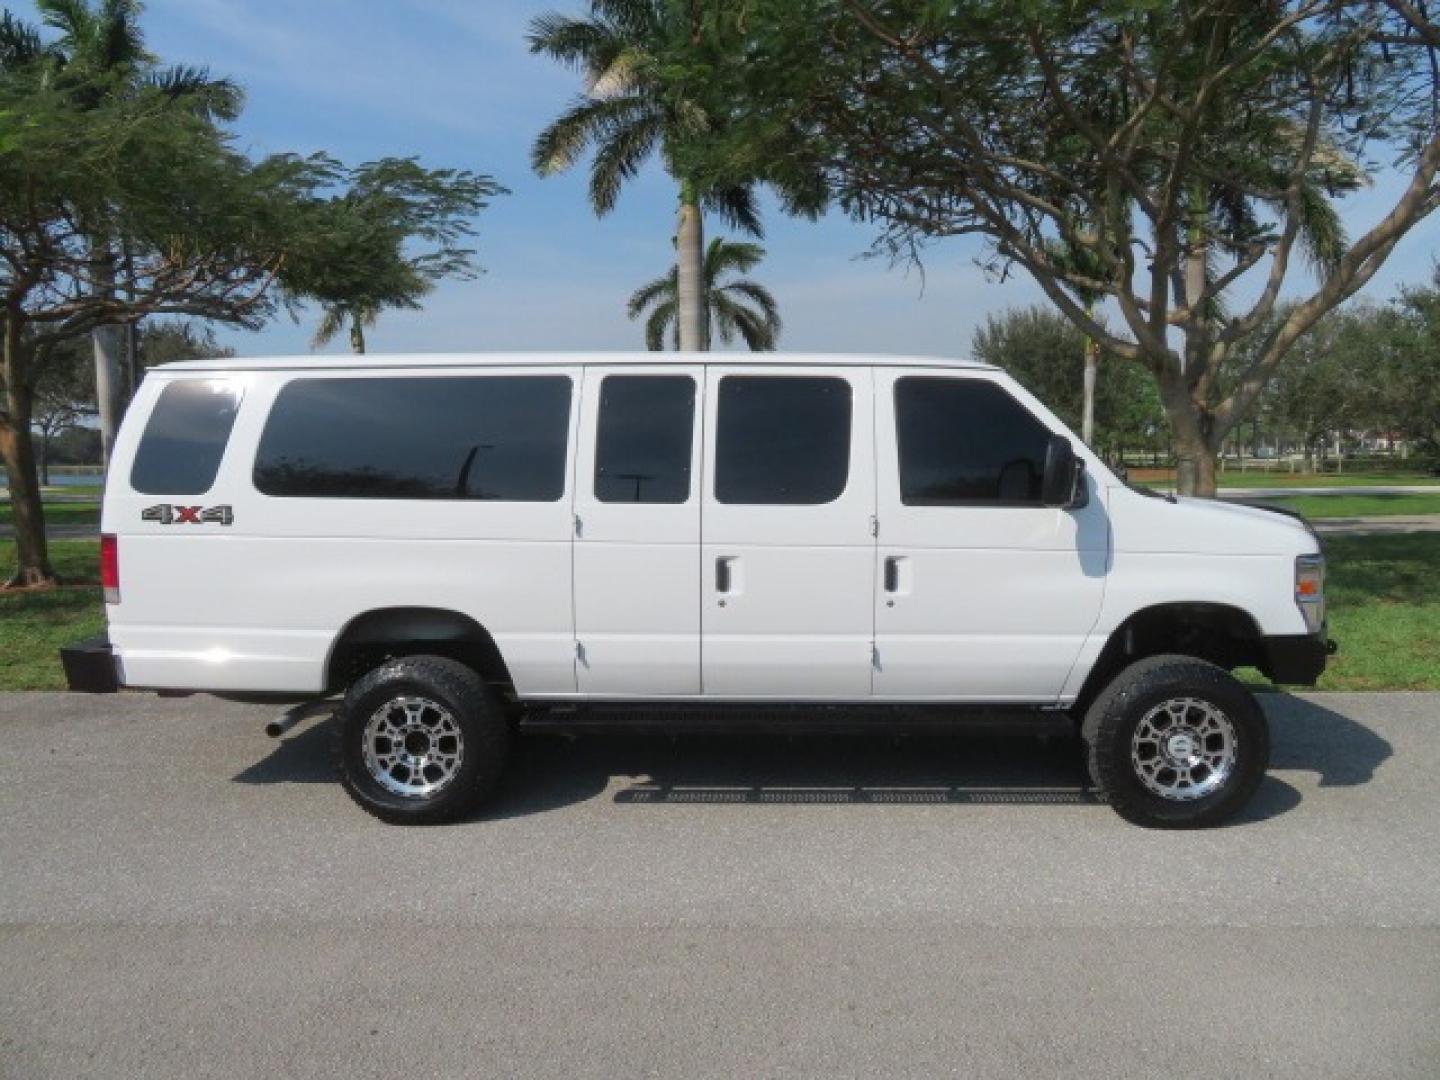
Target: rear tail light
(110, 568)
(1310, 590)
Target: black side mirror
(1063, 485)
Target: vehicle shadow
(1308, 737)
(548, 771)
(806, 769)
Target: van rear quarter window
(484, 437)
(966, 442)
(185, 437)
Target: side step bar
(796, 719)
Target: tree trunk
(18, 452)
(107, 342)
(1195, 470)
(1194, 447)
(357, 335)
(689, 267)
(1092, 370)
(132, 363)
(1196, 444)
(44, 457)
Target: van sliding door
(788, 563)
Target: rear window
(185, 437)
(490, 437)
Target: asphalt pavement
(182, 897)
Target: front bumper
(90, 666)
(1298, 659)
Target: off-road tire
(483, 727)
(1109, 727)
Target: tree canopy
(1045, 352)
(393, 230)
(203, 232)
(1183, 148)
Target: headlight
(1310, 590)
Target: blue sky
(452, 82)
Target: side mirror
(1063, 485)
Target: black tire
(1111, 722)
(481, 746)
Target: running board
(797, 719)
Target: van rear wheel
(1176, 743)
(422, 741)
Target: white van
(465, 544)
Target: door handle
(892, 574)
(722, 573)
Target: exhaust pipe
(293, 715)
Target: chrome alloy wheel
(413, 746)
(1183, 749)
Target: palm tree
(101, 49)
(359, 317)
(734, 306)
(103, 38)
(627, 113)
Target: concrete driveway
(181, 897)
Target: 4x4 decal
(166, 514)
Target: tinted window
(966, 441)
(477, 437)
(185, 438)
(782, 439)
(642, 446)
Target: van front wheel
(422, 741)
(1176, 743)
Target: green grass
(58, 513)
(1296, 480)
(1345, 506)
(1384, 597)
(90, 490)
(33, 625)
(1383, 594)
(1164, 479)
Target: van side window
(491, 437)
(644, 438)
(185, 437)
(782, 439)
(966, 442)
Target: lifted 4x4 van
(463, 544)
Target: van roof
(542, 359)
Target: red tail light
(110, 568)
